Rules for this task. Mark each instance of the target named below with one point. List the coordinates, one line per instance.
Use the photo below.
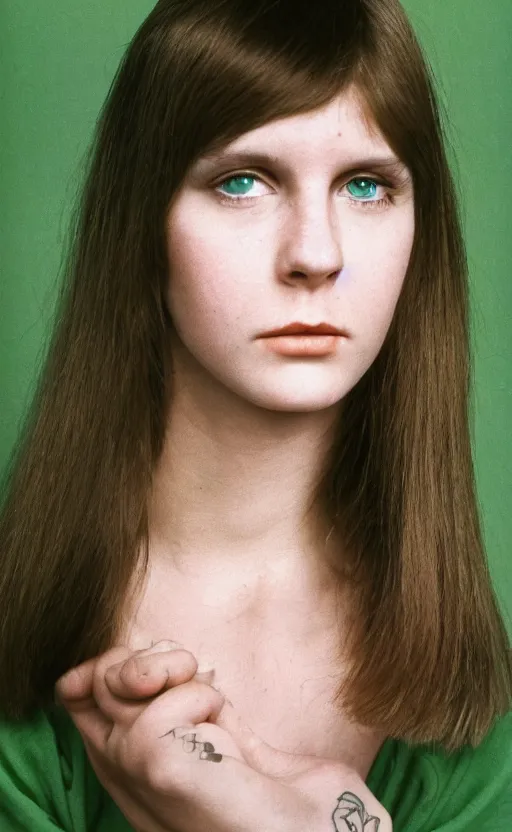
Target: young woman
(215, 527)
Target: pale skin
(246, 438)
(172, 752)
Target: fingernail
(204, 677)
(206, 665)
(163, 646)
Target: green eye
(243, 178)
(367, 183)
(240, 185)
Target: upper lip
(297, 328)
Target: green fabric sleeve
(425, 789)
(48, 785)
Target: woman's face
(302, 238)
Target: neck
(233, 486)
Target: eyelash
(367, 204)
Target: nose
(312, 249)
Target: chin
(298, 403)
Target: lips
(304, 329)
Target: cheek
(369, 291)
(203, 299)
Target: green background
(57, 61)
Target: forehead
(340, 133)
(341, 123)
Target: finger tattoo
(190, 744)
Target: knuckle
(115, 655)
(103, 695)
(72, 682)
(202, 694)
(134, 666)
(180, 665)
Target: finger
(144, 675)
(124, 688)
(77, 683)
(186, 705)
(77, 690)
(205, 671)
(131, 687)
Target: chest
(281, 674)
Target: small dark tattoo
(191, 744)
(350, 815)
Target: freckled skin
(237, 271)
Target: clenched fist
(174, 755)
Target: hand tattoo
(190, 744)
(350, 815)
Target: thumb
(257, 753)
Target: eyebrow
(389, 163)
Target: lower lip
(303, 344)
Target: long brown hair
(430, 657)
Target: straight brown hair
(430, 657)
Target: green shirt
(47, 783)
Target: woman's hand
(175, 756)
